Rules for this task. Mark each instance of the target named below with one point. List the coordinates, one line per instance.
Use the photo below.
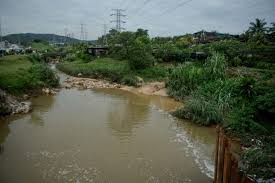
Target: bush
(44, 75)
(35, 58)
(140, 54)
(24, 80)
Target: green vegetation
(242, 105)
(100, 68)
(112, 70)
(41, 46)
(140, 54)
(19, 75)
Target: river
(104, 135)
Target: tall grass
(188, 77)
(209, 103)
(184, 79)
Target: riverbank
(21, 77)
(114, 71)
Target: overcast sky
(160, 17)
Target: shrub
(44, 75)
(35, 58)
(23, 80)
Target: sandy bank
(153, 88)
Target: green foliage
(215, 67)
(257, 32)
(230, 48)
(209, 103)
(113, 70)
(140, 54)
(155, 73)
(186, 78)
(169, 52)
(35, 58)
(183, 79)
(21, 76)
(41, 46)
(255, 161)
(106, 68)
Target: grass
(19, 75)
(112, 70)
(41, 47)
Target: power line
(169, 10)
(176, 7)
(118, 19)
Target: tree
(259, 26)
(141, 32)
(272, 29)
(140, 53)
(257, 31)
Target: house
(97, 51)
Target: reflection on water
(104, 135)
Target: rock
(46, 90)
(79, 74)
(9, 105)
(25, 97)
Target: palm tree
(258, 27)
(272, 29)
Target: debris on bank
(88, 83)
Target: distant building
(97, 51)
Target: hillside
(28, 38)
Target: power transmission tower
(118, 19)
(105, 41)
(66, 35)
(0, 29)
(82, 32)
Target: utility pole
(118, 19)
(105, 42)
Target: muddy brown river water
(104, 135)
